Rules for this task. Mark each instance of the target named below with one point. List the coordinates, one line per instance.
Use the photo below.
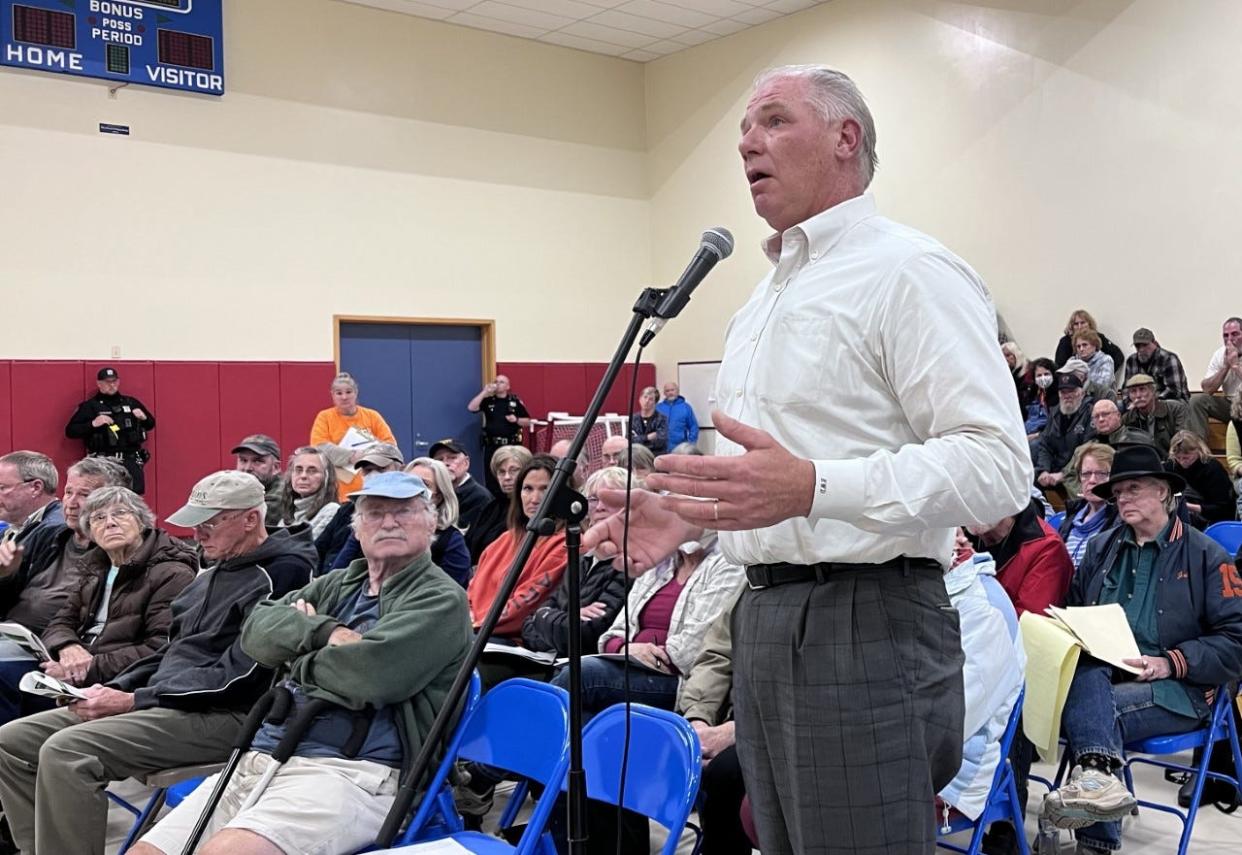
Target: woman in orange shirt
(547, 562)
(332, 424)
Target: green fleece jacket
(409, 657)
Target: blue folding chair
(1220, 726)
(172, 786)
(1227, 534)
(1002, 803)
(436, 814)
(1056, 519)
(663, 771)
(522, 727)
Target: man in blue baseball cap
(381, 640)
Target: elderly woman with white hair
(1182, 598)
(121, 609)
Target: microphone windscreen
(719, 240)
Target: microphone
(715, 245)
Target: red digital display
(186, 50)
(44, 27)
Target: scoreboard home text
(175, 44)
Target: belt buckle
(765, 582)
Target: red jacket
(1032, 565)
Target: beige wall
(1076, 153)
(374, 163)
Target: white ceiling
(640, 30)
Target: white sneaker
(1089, 796)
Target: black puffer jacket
(139, 610)
(1061, 436)
(548, 627)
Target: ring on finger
(716, 510)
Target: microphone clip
(649, 301)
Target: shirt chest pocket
(792, 364)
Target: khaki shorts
(314, 806)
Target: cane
(285, 748)
(274, 702)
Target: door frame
(486, 327)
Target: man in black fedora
(114, 426)
(1182, 598)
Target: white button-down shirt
(871, 350)
(1232, 383)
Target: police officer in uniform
(504, 416)
(114, 426)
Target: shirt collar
(821, 232)
(1162, 539)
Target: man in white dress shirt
(865, 412)
(1224, 375)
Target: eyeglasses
(8, 488)
(215, 522)
(1094, 475)
(113, 515)
(374, 516)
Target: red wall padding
(566, 387)
(203, 408)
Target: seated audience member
(1110, 430)
(649, 426)
(28, 504)
(1067, 428)
(259, 455)
(611, 450)
(332, 425)
(1161, 365)
(1188, 625)
(1209, 492)
(180, 706)
(493, 520)
(542, 572)
(1023, 374)
(1089, 515)
(643, 461)
(682, 424)
(448, 546)
(308, 491)
(1233, 449)
(53, 577)
(381, 457)
(1224, 375)
(1082, 321)
(120, 608)
(1160, 419)
(1100, 369)
(992, 673)
(391, 664)
(1031, 562)
(1043, 400)
(560, 449)
(601, 588)
(472, 497)
(670, 610)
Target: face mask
(1043, 381)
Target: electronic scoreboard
(175, 44)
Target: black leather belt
(771, 575)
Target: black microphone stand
(560, 503)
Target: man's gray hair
(118, 497)
(32, 465)
(835, 96)
(109, 472)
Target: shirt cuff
(838, 489)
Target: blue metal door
(420, 378)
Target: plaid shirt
(1166, 369)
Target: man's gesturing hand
(761, 487)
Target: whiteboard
(698, 386)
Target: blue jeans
(1101, 716)
(14, 703)
(603, 684)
